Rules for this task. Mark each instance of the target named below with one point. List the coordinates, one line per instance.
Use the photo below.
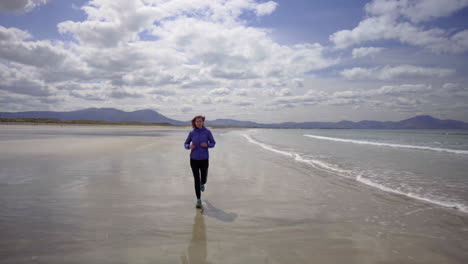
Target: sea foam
(347, 173)
(298, 157)
(388, 144)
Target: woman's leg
(204, 171)
(194, 164)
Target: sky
(252, 60)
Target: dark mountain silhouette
(429, 122)
(151, 116)
(105, 114)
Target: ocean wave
(298, 157)
(388, 144)
(382, 187)
(348, 174)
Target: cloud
(220, 91)
(396, 72)
(186, 109)
(221, 99)
(176, 53)
(386, 22)
(365, 51)
(20, 6)
(197, 44)
(88, 96)
(234, 51)
(395, 90)
(39, 53)
(21, 81)
(55, 60)
(14, 102)
(309, 98)
(455, 90)
(244, 103)
(162, 92)
(121, 94)
(401, 89)
(265, 8)
(235, 75)
(242, 92)
(156, 46)
(400, 97)
(13, 34)
(113, 22)
(415, 10)
(205, 100)
(403, 104)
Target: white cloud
(192, 45)
(113, 22)
(385, 23)
(121, 93)
(21, 80)
(175, 55)
(212, 38)
(398, 96)
(205, 100)
(415, 10)
(20, 6)
(13, 34)
(365, 51)
(284, 92)
(242, 92)
(197, 44)
(186, 109)
(265, 8)
(309, 98)
(393, 90)
(53, 59)
(400, 89)
(451, 86)
(221, 99)
(396, 72)
(244, 103)
(220, 91)
(237, 52)
(162, 92)
(89, 96)
(453, 90)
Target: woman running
(201, 139)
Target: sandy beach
(106, 194)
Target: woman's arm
(188, 140)
(211, 141)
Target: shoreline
(33, 124)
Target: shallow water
(430, 165)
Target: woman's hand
(192, 146)
(203, 144)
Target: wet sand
(99, 194)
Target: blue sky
(264, 61)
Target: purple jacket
(197, 136)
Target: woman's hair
(195, 118)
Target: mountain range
(151, 116)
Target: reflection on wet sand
(197, 249)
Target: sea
(428, 165)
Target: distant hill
(151, 116)
(102, 114)
(417, 122)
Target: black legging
(199, 167)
